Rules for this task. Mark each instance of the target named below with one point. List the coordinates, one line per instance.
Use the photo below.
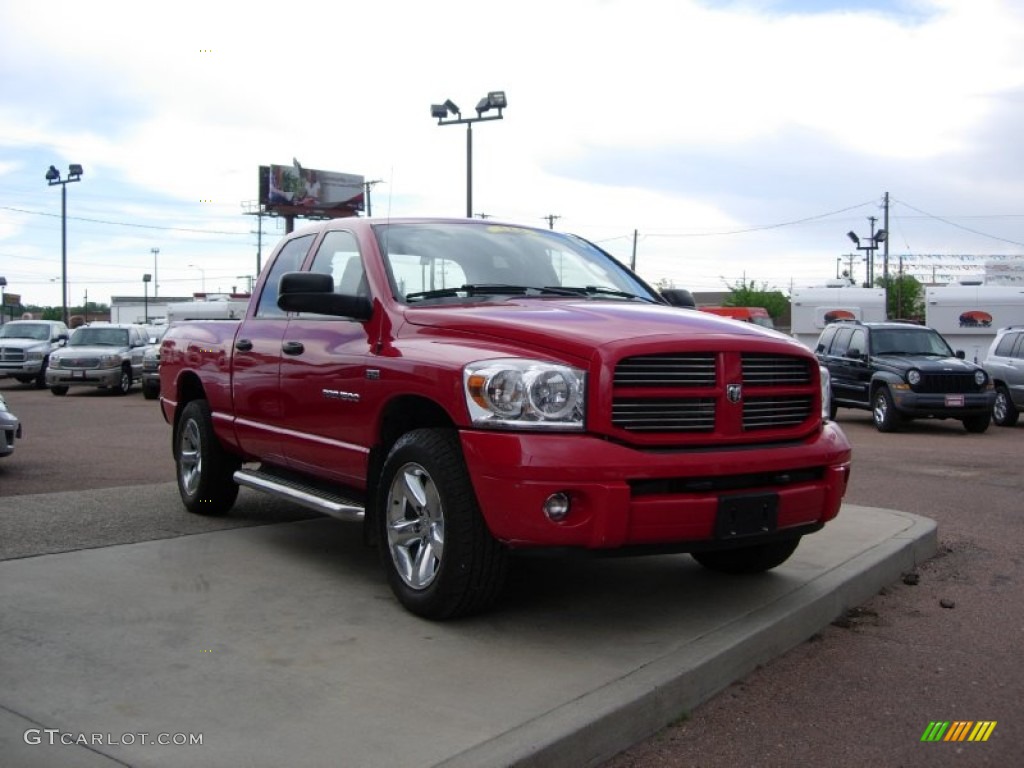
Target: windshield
(910, 341)
(36, 331)
(99, 337)
(469, 260)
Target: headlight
(525, 394)
(34, 354)
(54, 361)
(980, 377)
(826, 393)
(110, 361)
(913, 377)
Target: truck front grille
(725, 393)
(12, 355)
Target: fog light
(556, 507)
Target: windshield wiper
(598, 290)
(488, 289)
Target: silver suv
(1005, 364)
(99, 355)
(25, 347)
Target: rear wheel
(205, 470)
(1004, 412)
(884, 412)
(978, 423)
(440, 558)
(756, 558)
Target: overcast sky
(738, 139)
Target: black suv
(901, 371)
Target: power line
(125, 223)
(959, 226)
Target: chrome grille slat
(775, 370)
(682, 370)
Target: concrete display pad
(282, 645)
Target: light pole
(202, 272)
(871, 247)
(493, 100)
(3, 298)
(52, 178)
(156, 286)
(145, 297)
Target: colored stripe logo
(958, 730)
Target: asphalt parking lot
(863, 689)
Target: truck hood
(24, 344)
(578, 327)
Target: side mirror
(854, 354)
(314, 292)
(961, 354)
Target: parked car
(901, 371)
(151, 362)
(10, 429)
(25, 347)
(1005, 364)
(99, 355)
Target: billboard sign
(291, 190)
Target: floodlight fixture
(881, 235)
(74, 171)
(53, 175)
(493, 100)
(853, 236)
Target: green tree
(750, 294)
(904, 296)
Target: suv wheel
(978, 423)
(1004, 412)
(59, 390)
(887, 419)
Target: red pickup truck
(467, 389)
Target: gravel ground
(945, 643)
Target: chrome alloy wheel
(190, 462)
(415, 526)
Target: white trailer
(811, 309)
(214, 309)
(968, 316)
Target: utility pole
(632, 259)
(885, 256)
(551, 220)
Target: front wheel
(40, 380)
(755, 558)
(205, 470)
(150, 391)
(1004, 412)
(59, 390)
(441, 560)
(124, 383)
(884, 411)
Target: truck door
(256, 362)
(323, 376)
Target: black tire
(441, 560)
(124, 383)
(25, 379)
(833, 410)
(40, 379)
(756, 558)
(150, 391)
(1004, 412)
(883, 411)
(978, 423)
(59, 390)
(203, 468)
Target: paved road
(863, 690)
